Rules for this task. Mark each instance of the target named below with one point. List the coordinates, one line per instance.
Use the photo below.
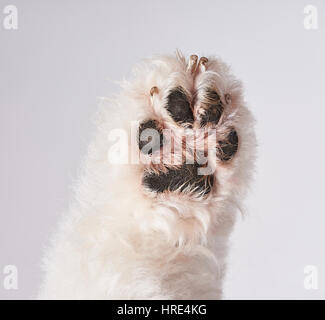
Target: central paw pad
(186, 178)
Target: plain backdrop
(66, 54)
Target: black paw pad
(185, 178)
(179, 107)
(153, 137)
(213, 108)
(228, 147)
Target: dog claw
(203, 64)
(228, 98)
(154, 90)
(192, 63)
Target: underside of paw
(195, 114)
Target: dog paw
(193, 110)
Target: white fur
(119, 242)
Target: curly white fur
(119, 242)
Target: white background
(65, 55)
